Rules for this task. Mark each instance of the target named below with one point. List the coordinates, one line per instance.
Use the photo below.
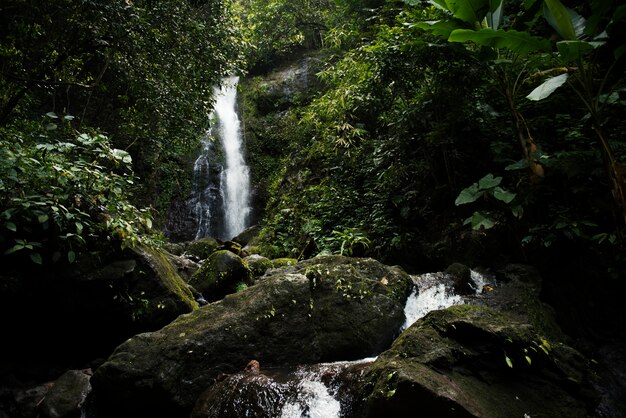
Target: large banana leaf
(547, 87)
(519, 42)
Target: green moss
(283, 262)
(202, 248)
(169, 276)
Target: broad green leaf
(546, 88)
(470, 11)
(11, 226)
(36, 257)
(572, 51)
(503, 195)
(52, 115)
(558, 16)
(518, 42)
(528, 360)
(468, 195)
(71, 256)
(479, 221)
(488, 182)
(42, 218)
(441, 28)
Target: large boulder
(324, 309)
(220, 274)
(84, 313)
(472, 361)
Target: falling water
(221, 184)
(235, 177)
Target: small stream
(323, 390)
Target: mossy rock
(202, 248)
(472, 361)
(220, 274)
(285, 319)
(283, 262)
(257, 264)
(462, 277)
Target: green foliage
(273, 30)
(62, 193)
(349, 240)
(141, 71)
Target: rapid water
(235, 177)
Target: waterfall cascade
(221, 183)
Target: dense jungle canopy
(477, 131)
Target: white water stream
(235, 177)
(222, 205)
(433, 291)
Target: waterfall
(235, 176)
(434, 291)
(220, 201)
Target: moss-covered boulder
(202, 248)
(258, 264)
(472, 361)
(283, 262)
(328, 308)
(220, 274)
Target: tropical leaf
(560, 18)
(519, 42)
(441, 28)
(488, 182)
(470, 11)
(468, 195)
(572, 51)
(494, 16)
(546, 88)
(503, 195)
(479, 221)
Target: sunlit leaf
(547, 87)
(470, 11)
(508, 361)
(441, 28)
